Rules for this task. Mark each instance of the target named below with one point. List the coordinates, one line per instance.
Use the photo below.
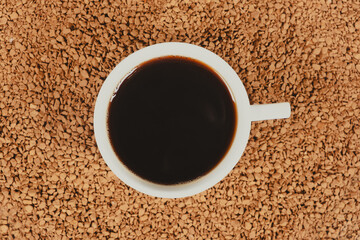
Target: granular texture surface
(297, 179)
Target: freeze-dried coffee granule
(298, 177)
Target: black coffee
(172, 120)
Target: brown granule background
(297, 179)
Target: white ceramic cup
(246, 113)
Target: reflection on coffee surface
(172, 120)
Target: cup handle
(270, 111)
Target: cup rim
(123, 69)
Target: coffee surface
(172, 120)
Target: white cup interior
(124, 68)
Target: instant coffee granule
(297, 179)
